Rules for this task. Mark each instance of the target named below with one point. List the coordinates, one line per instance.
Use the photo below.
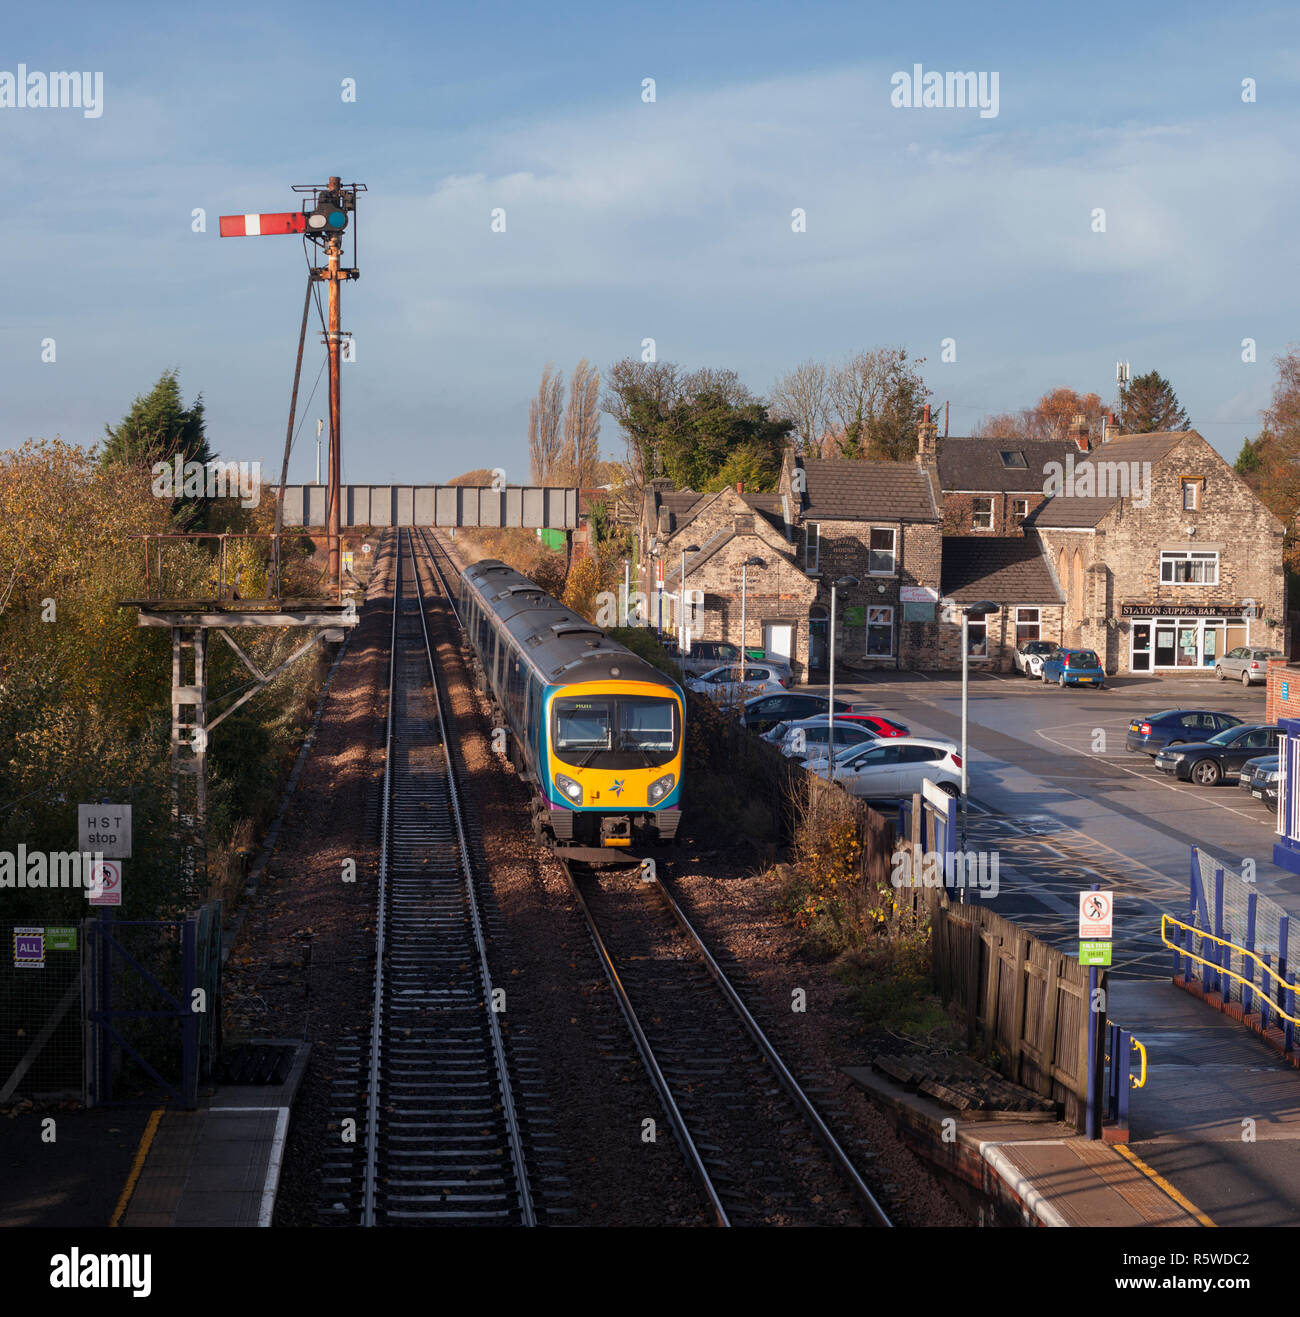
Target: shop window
(1189, 567)
(981, 514)
(882, 553)
(1027, 624)
(880, 631)
(977, 638)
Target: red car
(881, 726)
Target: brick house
(1165, 557)
(991, 486)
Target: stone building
(1165, 557)
(1010, 571)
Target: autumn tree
(1149, 405)
(878, 397)
(1270, 463)
(1053, 416)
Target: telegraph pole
(334, 250)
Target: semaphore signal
(324, 217)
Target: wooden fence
(1022, 998)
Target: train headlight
(659, 789)
(571, 789)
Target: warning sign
(29, 948)
(1095, 910)
(105, 883)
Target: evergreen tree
(157, 427)
(1150, 405)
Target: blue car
(1074, 667)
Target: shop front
(1175, 637)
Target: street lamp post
(681, 595)
(846, 582)
(744, 566)
(979, 610)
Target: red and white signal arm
(105, 887)
(257, 226)
(1096, 915)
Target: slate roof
(1066, 513)
(768, 506)
(1010, 569)
(846, 489)
(975, 465)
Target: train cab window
(615, 731)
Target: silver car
(1246, 664)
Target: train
(594, 728)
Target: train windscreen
(615, 731)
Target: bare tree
(580, 456)
(877, 397)
(545, 415)
(803, 396)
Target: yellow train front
(596, 730)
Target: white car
(1029, 657)
(810, 737)
(724, 685)
(890, 769)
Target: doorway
(1140, 648)
(778, 640)
(818, 632)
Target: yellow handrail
(1140, 1082)
(1218, 969)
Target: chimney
(740, 486)
(1079, 432)
(927, 434)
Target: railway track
(751, 1135)
(441, 1141)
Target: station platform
(219, 1165)
(1214, 1135)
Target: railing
(229, 579)
(1228, 923)
(1120, 1046)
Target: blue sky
(628, 220)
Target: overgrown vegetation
(84, 691)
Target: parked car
(1259, 778)
(810, 738)
(1072, 667)
(1246, 664)
(894, 768)
(1209, 762)
(1174, 727)
(731, 685)
(1029, 657)
(764, 712)
(705, 655)
(878, 723)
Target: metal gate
(153, 1017)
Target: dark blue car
(1174, 726)
(1074, 667)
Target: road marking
(146, 1139)
(1253, 817)
(1186, 1204)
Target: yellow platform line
(146, 1139)
(1186, 1204)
